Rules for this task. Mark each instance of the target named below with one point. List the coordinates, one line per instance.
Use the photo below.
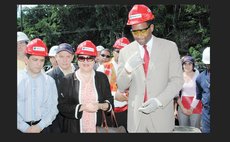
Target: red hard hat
(139, 14)
(121, 42)
(86, 48)
(37, 47)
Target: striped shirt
(36, 99)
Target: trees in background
(187, 25)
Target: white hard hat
(22, 36)
(206, 56)
(100, 48)
(53, 50)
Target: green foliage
(187, 25)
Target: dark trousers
(57, 124)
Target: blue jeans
(205, 124)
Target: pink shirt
(88, 95)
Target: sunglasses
(107, 56)
(141, 31)
(88, 59)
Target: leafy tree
(187, 25)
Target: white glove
(133, 62)
(149, 106)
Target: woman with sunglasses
(106, 55)
(84, 93)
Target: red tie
(146, 64)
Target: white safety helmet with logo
(206, 56)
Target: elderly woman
(84, 93)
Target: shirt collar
(149, 47)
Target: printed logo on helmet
(135, 16)
(88, 49)
(38, 48)
(122, 44)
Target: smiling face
(86, 63)
(142, 32)
(188, 66)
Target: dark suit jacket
(57, 75)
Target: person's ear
(26, 59)
(151, 27)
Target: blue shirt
(36, 99)
(203, 93)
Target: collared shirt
(149, 48)
(101, 67)
(142, 52)
(36, 99)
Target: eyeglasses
(88, 59)
(107, 56)
(141, 31)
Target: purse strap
(113, 117)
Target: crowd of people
(145, 82)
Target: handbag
(104, 127)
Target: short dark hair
(28, 56)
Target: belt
(33, 122)
(121, 109)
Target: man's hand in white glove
(133, 62)
(149, 106)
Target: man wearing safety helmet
(110, 69)
(37, 92)
(203, 91)
(99, 58)
(52, 58)
(150, 68)
(22, 40)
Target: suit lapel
(136, 49)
